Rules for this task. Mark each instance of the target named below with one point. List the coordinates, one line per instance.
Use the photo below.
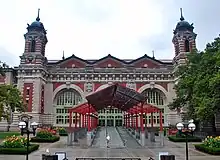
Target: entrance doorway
(118, 122)
(101, 122)
(110, 122)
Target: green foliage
(19, 151)
(62, 131)
(44, 133)
(199, 84)
(213, 142)
(10, 99)
(45, 136)
(14, 142)
(45, 140)
(3, 135)
(183, 139)
(2, 67)
(209, 150)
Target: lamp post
(190, 128)
(24, 129)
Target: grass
(3, 135)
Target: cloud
(93, 29)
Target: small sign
(61, 155)
(163, 153)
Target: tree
(199, 84)
(2, 67)
(10, 99)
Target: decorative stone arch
(102, 87)
(159, 87)
(71, 86)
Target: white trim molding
(66, 86)
(102, 87)
(148, 86)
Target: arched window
(187, 48)
(155, 96)
(68, 98)
(65, 99)
(33, 45)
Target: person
(108, 139)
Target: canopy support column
(161, 130)
(142, 134)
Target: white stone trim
(73, 86)
(102, 87)
(147, 86)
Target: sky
(92, 29)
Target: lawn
(3, 135)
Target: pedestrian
(108, 139)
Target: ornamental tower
(183, 40)
(32, 68)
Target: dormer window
(187, 48)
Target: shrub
(19, 151)
(14, 142)
(3, 135)
(16, 145)
(62, 131)
(206, 149)
(45, 136)
(44, 133)
(183, 139)
(45, 140)
(212, 142)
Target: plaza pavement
(117, 149)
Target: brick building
(50, 87)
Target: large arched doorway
(157, 98)
(64, 100)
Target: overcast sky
(92, 29)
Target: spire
(63, 55)
(181, 15)
(153, 54)
(38, 15)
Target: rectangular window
(28, 91)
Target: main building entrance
(110, 117)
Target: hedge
(206, 149)
(63, 134)
(45, 140)
(19, 151)
(183, 139)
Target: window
(64, 100)
(155, 96)
(187, 48)
(33, 45)
(28, 91)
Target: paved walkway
(130, 142)
(100, 139)
(177, 149)
(115, 141)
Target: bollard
(49, 157)
(167, 157)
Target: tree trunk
(8, 126)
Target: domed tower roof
(37, 25)
(183, 25)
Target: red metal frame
(86, 109)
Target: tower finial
(38, 15)
(63, 56)
(153, 54)
(181, 15)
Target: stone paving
(177, 149)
